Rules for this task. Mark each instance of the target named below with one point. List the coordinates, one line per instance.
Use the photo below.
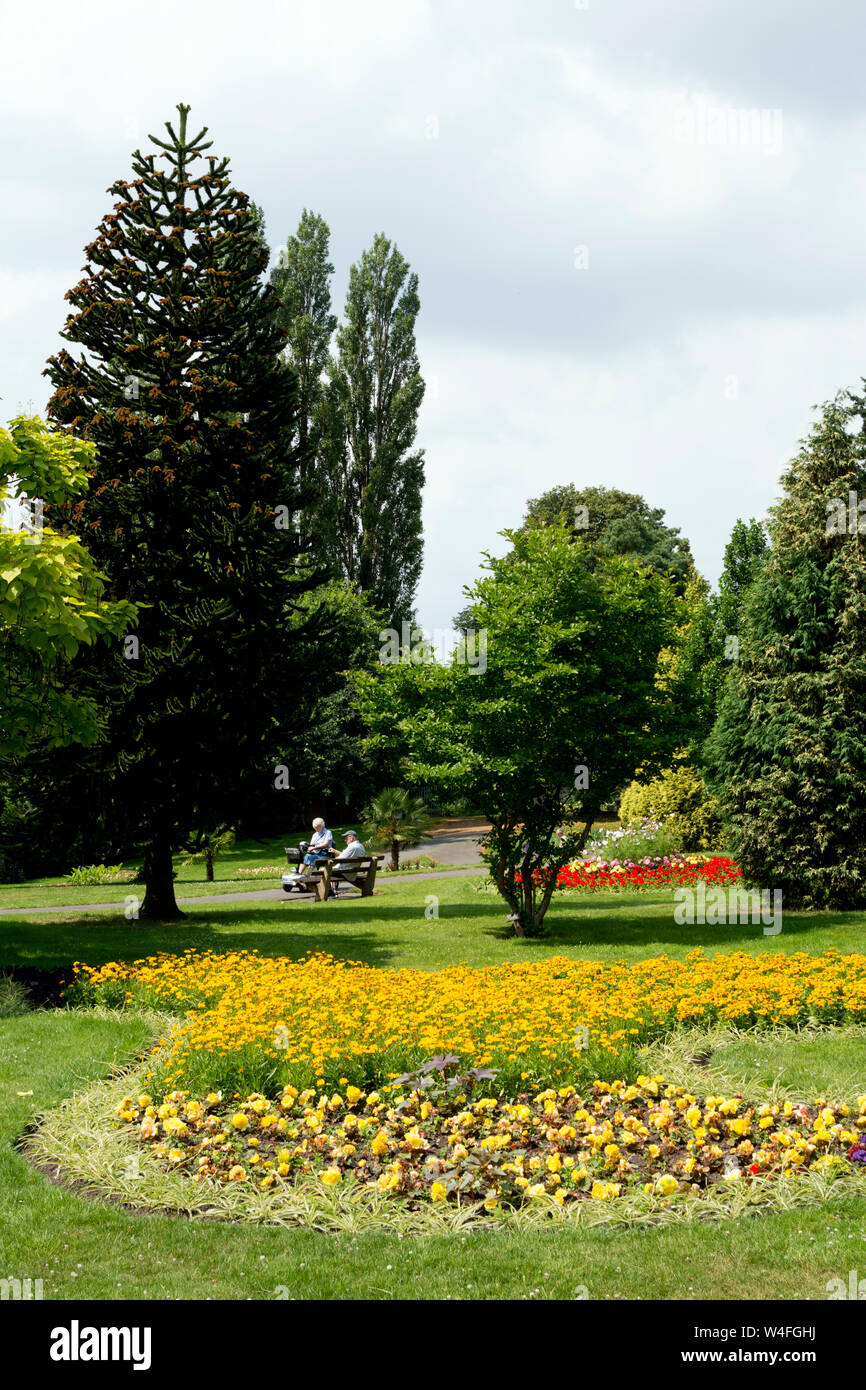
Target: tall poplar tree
(302, 281)
(787, 756)
(375, 475)
(182, 388)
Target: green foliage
(679, 799)
(569, 693)
(301, 279)
(744, 554)
(615, 523)
(787, 757)
(52, 596)
(208, 846)
(101, 873)
(196, 482)
(373, 475)
(393, 820)
(339, 631)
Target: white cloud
(490, 140)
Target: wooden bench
(356, 873)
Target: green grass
(86, 1249)
(190, 882)
(390, 930)
(83, 1249)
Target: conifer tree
(787, 757)
(194, 416)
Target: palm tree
(208, 847)
(394, 819)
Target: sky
(638, 229)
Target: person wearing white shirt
(354, 849)
(321, 845)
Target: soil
(44, 987)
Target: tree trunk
(159, 900)
(395, 855)
(208, 865)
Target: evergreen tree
(374, 476)
(787, 757)
(194, 417)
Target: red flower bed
(656, 873)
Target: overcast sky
(639, 228)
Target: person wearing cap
(354, 849)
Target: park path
(257, 895)
(455, 841)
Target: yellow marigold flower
(240, 1121)
(145, 1100)
(554, 1163)
(667, 1184)
(438, 1192)
(331, 1176)
(237, 1173)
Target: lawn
(190, 880)
(83, 1249)
(391, 929)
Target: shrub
(679, 799)
(91, 874)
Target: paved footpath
(453, 842)
(257, 895)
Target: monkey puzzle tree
(194, 415)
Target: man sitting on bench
(353, 850)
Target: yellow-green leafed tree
(52, 597)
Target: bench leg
(369, 880)
(323, 885)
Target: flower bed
(256, 1023)
(426, 1138)
(660, 872)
